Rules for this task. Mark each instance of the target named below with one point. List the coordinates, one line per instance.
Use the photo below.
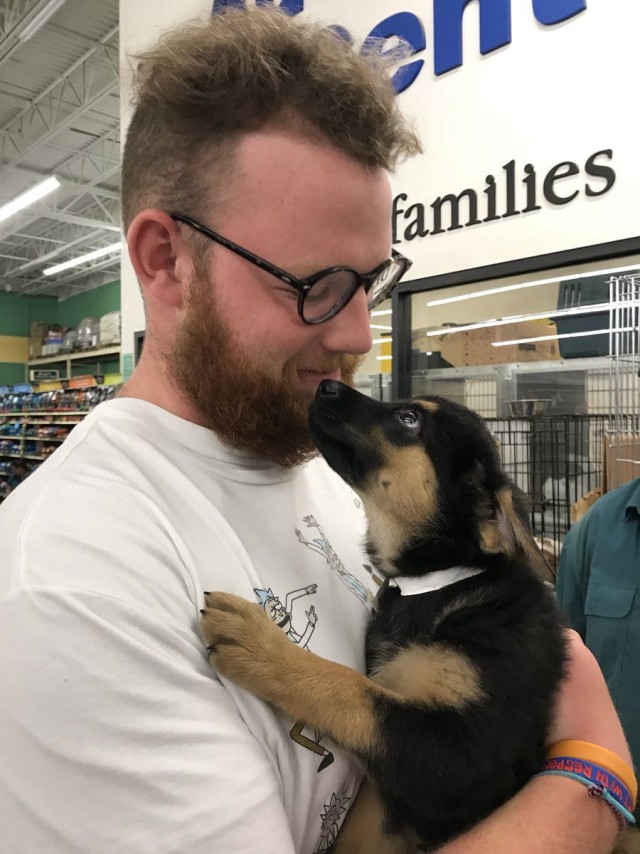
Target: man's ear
(158, 257)
(505, 532)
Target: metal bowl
(529, 408)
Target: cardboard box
(37, 333)
(468, 349)
(38, 330)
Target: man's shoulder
(612, 505)
(83, 469)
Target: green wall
(18, 312)
(93, 303)
(11, 373)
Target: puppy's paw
(243, 644)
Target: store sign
(524, 108)
(42, 374)
(515, 190)
(407, 28)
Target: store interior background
(544, 334)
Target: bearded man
(257, 205)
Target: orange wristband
(599, 755)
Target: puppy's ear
(506, 532)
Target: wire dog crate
(558, 459)
(623, 445)
(554, 460)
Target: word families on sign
(517, 190)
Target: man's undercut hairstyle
(208, 82)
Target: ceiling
(59, 115)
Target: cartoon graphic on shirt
(322, 546)
(282, 614)
(331, 819)
(312, 744)
(375, 576)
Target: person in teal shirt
(598, 580)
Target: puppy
(550, 549)
(465, 651)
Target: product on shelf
(88, 331)
(78, 400)
(34, 424)
(110, 329)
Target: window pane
(374, 374)
(533, 355)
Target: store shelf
(37, 418)
(21, 457)
(63, 412)
(82, 356)
(36, 438)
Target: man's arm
(555, 815)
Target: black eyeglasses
(323, 294)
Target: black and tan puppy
(466, 650)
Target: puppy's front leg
(247, 647)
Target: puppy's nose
(328, 388)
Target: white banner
(530, 146)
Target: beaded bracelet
(603, 772)
(623, 816)
(590, 753)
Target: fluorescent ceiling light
(384, 358)
(39, 20)
(376, 326)
(505, 288)
(382, 340)
(381, 312)
(543, 315)
(38, 191)
(564, 335)
(81, 259)
(491, 291)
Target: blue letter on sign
(408, 28)
(495, 29)
(554, 11)
(291, 7)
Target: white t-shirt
(115, 733)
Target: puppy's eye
(410, 419)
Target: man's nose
(349, 331)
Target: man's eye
(319, 292)
(410, 418)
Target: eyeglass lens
(331, 292)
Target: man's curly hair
(206, 83)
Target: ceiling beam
(42, 259)
(42, 284)
(17, 15)
(84, 83)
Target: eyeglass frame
(302, 286)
